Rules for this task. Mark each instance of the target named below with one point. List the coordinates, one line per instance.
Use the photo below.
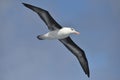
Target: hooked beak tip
(77, 32)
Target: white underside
(55, 35)
(58, 34)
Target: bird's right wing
(78, 52)
(45, 16)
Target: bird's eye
(72, 29)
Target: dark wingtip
(30, 6)
(87, 72)
(84, 63)
(23, 3)
(88, 75)
(26, 5)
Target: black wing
(78, 52)
(45, 16)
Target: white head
(70, 30)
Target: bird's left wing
(45, 16)
(78, 52)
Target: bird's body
(62, 34)
(57, 34)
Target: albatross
(62, 34)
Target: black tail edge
(39, 37)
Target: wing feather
(45, 16)
(78, 52)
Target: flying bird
(62, 34)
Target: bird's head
(68, 30)
(73, 31)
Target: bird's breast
(56, 35)
(62, 34)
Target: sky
(24, 57)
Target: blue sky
(24, 57)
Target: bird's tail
(40, 37)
